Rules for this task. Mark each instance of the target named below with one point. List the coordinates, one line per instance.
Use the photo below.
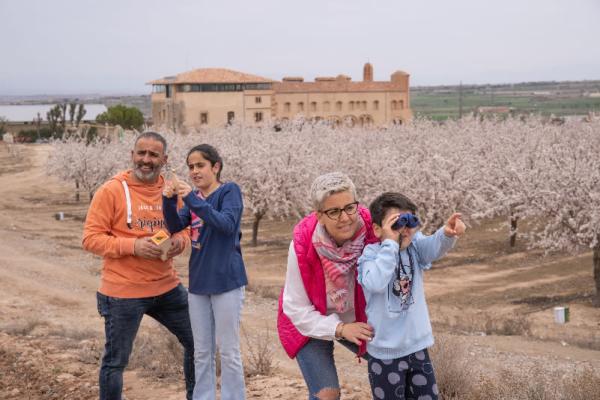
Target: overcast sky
(115, 46)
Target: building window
(326, 106)
(400, 104)
(230, 117)
(376, 105)
(394, 104)
(203, 118)
(338, 106)
(300, 107)
(363, 105)
(258, 99)
(258, 116)
(287, 107)
(313, 106)
(351, 106)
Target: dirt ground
(494, 302)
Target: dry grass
(457, 380)
(157, 353)
(259, 353)
(265, 291)
(582, 386)
(23, 327)
(489, 323)
(452, 368)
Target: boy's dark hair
(387, 200)
(210, 154)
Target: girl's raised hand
(183, 189)
(168, 189)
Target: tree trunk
(255, 223)
(596, 261)
(513, 230)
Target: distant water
(27, 113)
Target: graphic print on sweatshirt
(196, 226)
(145, 218)
(403, 280)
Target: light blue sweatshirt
(401, 323)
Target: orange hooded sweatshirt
(109, 233)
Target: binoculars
(406, 220)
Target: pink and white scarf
(339, 264)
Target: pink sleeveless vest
(313, 279)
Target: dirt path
(51, 334)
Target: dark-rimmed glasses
(335, 213)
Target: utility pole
(460, 100)
(38, 123)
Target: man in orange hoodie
(125, 212)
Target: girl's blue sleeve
(376, 266)
(175, 220)
(225, 220)
(431, 248)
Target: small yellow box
(163, 241)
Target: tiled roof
(211, 75)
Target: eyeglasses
(336, 213)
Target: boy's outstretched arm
(431, 248)
(376, 266)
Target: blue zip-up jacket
(401, 322)
(216, 264)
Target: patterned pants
(406, 378)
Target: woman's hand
(183, 189)
(356, 332)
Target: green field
(546, 98)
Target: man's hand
(454, 226)
(146, 248)
(177, 246)
(356, 332)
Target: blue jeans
(122, 319)
(318, 365)
(216, 323)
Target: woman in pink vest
(321, 300)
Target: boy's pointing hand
(454, 226)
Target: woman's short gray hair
(326, 185)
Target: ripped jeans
(318, 365)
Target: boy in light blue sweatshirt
(391, 274)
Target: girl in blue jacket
(213, 210)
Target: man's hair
(326, 185)
(152, 135)
(380, 206)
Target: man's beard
(147, 176)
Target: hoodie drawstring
(128, 198)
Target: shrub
(259, 353)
